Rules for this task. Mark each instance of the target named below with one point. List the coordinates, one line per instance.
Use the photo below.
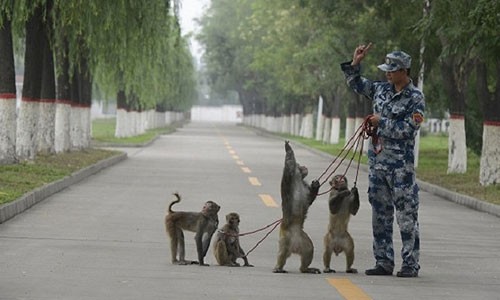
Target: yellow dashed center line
(348, 289)
(236, 157)
(246, 170)
(268, 200)
(232, 152)
(240, 162)
(254, 181)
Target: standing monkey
(203, 223)
(343, 203)
(227, 243)
(296, 197)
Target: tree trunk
(63, 103)
(27, 126)
(121, 114)
(7, 96)
(81, 93)
(457, 150)
(85, 82)
(46, 122)
(320, 120)
(335, 114)
(350, 121)
(490, 154)
(455, 73)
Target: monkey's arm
(290, 162)
(287, 179)
(335, 202)
(355, 201)
(313, 191)
(203, 236)
(242, 254)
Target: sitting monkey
(343, 203)
(203, 223)
(227, 243)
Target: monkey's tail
(174, 202)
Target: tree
(29, 111)
(7, 92)
(486, 24)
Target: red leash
(364, 131)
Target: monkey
(296, 198)
(342, 203)
(227, 243)
(203, 223)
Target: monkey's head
(210, 208)
(233, 219)
(303, 171)
(339, 182)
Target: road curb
(11, 209)
(461, 199)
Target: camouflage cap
(396, 60)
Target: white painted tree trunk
(62, 141)
(287, 122)
(46, 127)
(320, 125)
(307, 126)
(86, 126)
(490, 154)
(159, 119)
(7, 128)
(296, 124)
(358, 123)
(168, 118)
(349, 128)
(27, 128)
(457, 148)
(121, 123)
(279, 124)
(335, 131)
(327, 128)
(77, 128)
(425, 14)
(320, 120)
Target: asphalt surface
(103, 237)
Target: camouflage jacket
(401, 115)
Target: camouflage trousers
(397, 190)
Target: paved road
(103, 238)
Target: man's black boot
(378, 270)
(407, 272)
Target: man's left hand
(374, 119)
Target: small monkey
(227, 243)
(203, 223)
(296, 198)
(343, 203)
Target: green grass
(103, 131)
(19, 179)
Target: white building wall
(225, 113)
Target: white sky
(189, 10)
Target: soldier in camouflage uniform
(398, 108)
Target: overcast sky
(189, 10)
